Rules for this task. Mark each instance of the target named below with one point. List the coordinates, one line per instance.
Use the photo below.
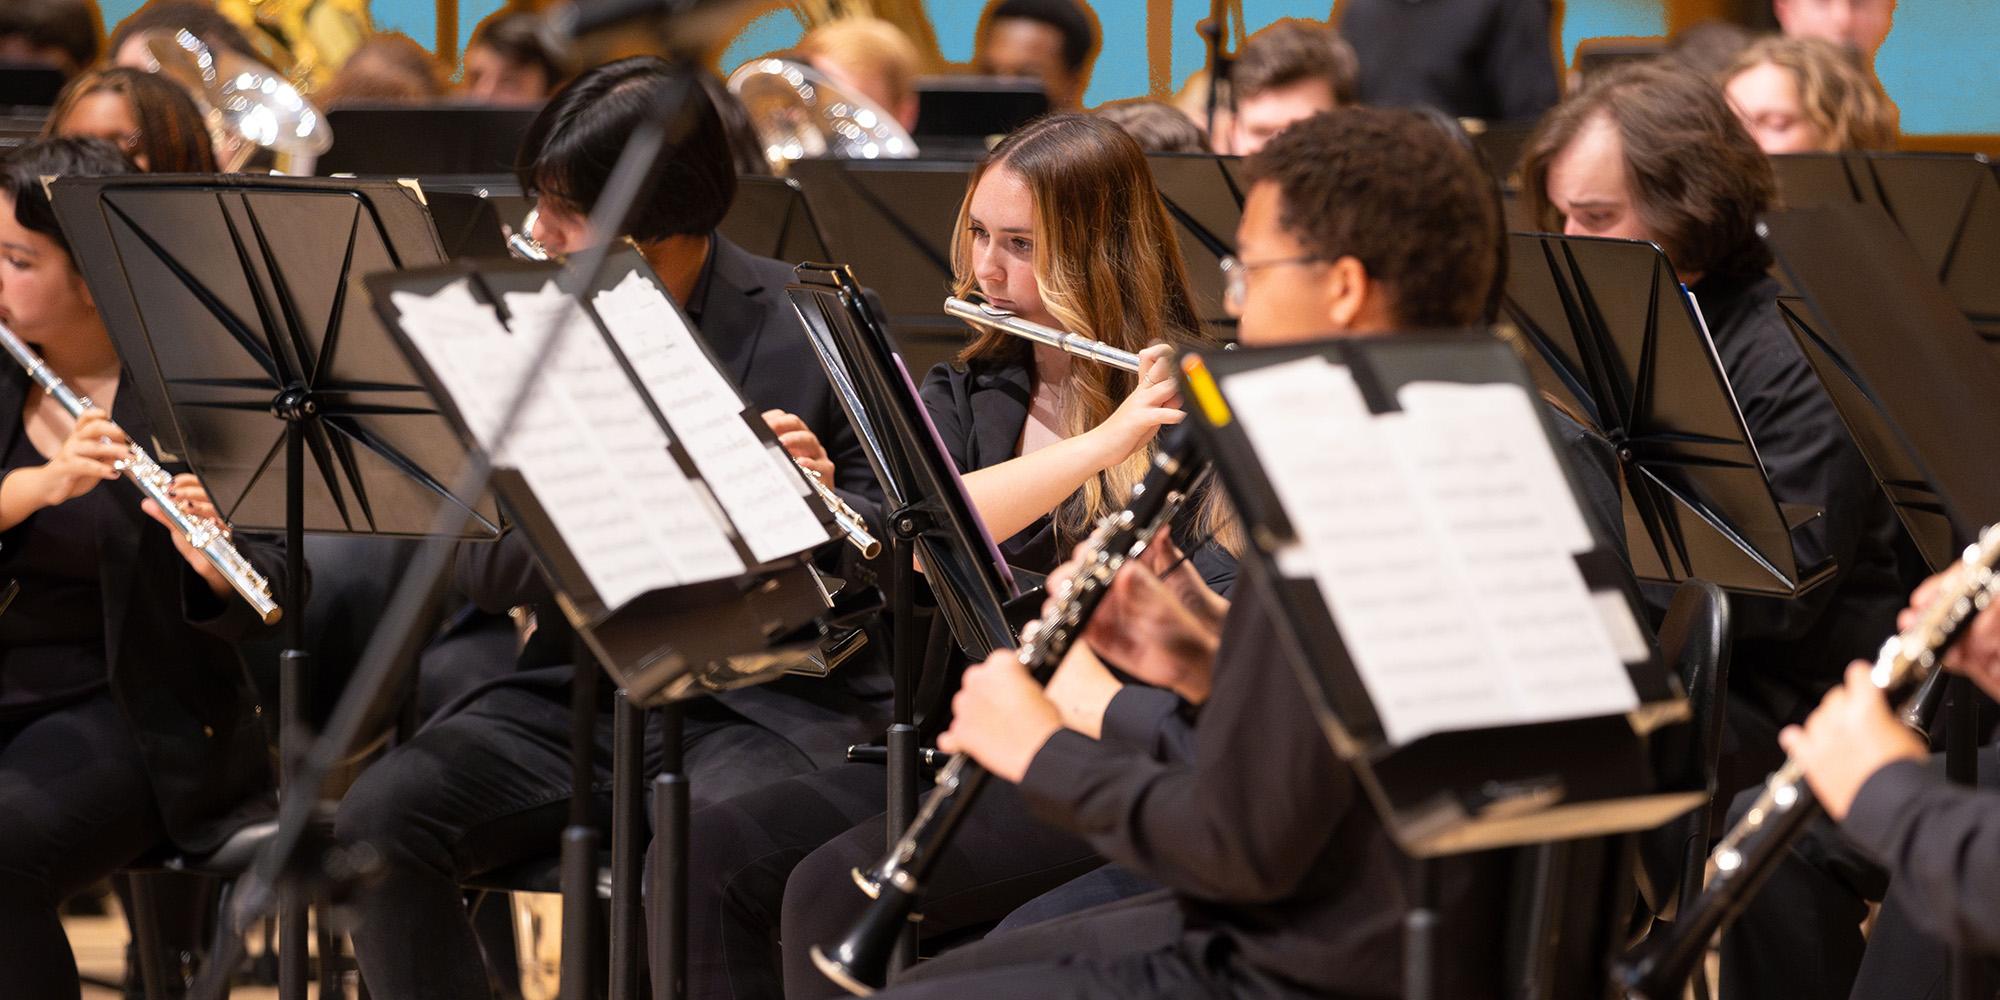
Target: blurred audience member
(59, 33)
(1861, 25)
(1805, 95)
(507, 62)
(870, 58)
(388, 68)
(149, 118)
(1709, 48)
(1054, 41)
(1490, 59)
(1288, 72)
(1158, 126)
(128, 42)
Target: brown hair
(171, 138)
(1291, 50)
(1157, 126)
(1838, 95)
(1697, 179)
(1109, 268)
(389, 67)
(1399, 192)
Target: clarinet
(205, 535)
(859, 962)
(1745, 857)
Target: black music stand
(262, 368)
(663, 645)
(956, 115)
(1948, 205)
(1204, 194)
(1614, 339)
(1450, 781)
(770, 218)
(475, 215)
(423, 139)
(1916, 387)
(891, 221)
(928, 514)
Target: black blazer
(741, 312)
(168, 642)
(980, 410)
(1492, 59)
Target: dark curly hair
(1699, 182)
(1396, 192)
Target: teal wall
(1941, 64)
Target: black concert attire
(747, 850)
(127, 721)
(1491, 59)
(1787, 653)
(486, 783)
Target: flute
(204, 534)
(981, 314)
(845, 517)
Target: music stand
(1947, 205)
(475, 215)
(928, 514)
(1616, 341)
(1203, 193)
(416, 140)
(891, 221)
(770, 218)
(220, 344)
(957, 114)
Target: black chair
(1695, 637)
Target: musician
(1491, 59)
(127, 45)
(1289, 71)
(148, 117)
(1861, 25)
(486, 783)
(1806, 95)
(388, 68)
(1654, 152)
(1282, 881)
(127, 722)
(58, 33)
(1062, 225)
(1156, 125)
(1054, 41)
(508, 63)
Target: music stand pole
(294, 675)
(906, 661)
(668, 887)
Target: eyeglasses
(1236, 276)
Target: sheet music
(1454, 592)
(761, 492)
(555, 446)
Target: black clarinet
(1658, 969)
(859, 962)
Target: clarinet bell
(859, 963)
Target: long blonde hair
(1109, 268)
(1838, 93)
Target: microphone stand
(1214, 33)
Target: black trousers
(487, 787)
(1138, 947)
(771, 877)
(75, 804)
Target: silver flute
(208, 536)
(981, 314)
(845, 517)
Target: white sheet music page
(668, 514)
(1383, 509)
(479, 361)
(761, 493)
